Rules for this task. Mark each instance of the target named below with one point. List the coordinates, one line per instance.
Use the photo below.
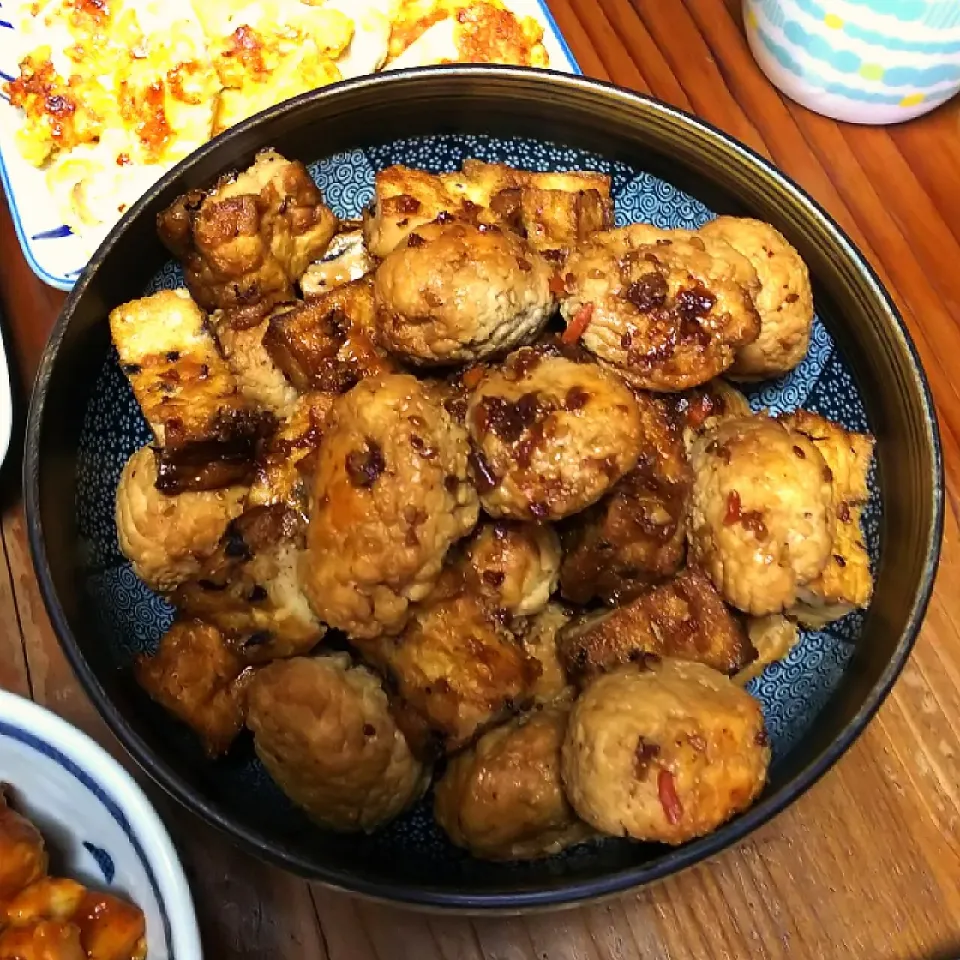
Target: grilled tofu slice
(207, 434)
(250, 588)
(685, 618)
(328, 343)
(552, 210)
(846, 583)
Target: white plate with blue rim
(53, 251)
(98, 825)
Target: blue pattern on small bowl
(864, 61)
(98, 826)
(132, 618)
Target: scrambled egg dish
(114, 92)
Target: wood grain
(867, 864)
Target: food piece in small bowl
(456, 665)
(503, 799)
(664, 751)
(684, 618)
(762, 519)
(250, 587)
(390, 496)
(207, 433)
(167, 537)
(197, 677)
(784, 300)
(329, 342)
(667, 309)
(516, 566)
(457, 293)
(846, 582)
(23, 858)
(244, 243)
(550, 436)
(636, 536)
(323, 729)
(345, 260)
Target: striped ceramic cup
(863, 61)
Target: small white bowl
(99, 827)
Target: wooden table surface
(867, 864)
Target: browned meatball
(250, 588)
(503, 798)
(390, 495)
(636, 535)
(784, 301)
(329, 342)
(457, 666)
(667, 309)
(514, 565)
(455, 293)
(324, 731)
(551, 436)
(203, 683)
(666, 753)
(761, 517)
(684, 618)
(245, 242)
(23, 858)
(167, 538)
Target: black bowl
(83, 423)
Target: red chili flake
(525, 265)
(699, 410)
(123, 159)
(472, 377)
(733, 509)
(798, 451)
(557, 286)
(667, 789)
(578, 325)
(843, 513)
(792, 297)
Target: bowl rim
(575, 891)
(40, 728)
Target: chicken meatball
(636, 536)
(539, 637)
(259, 378)
(761, 517)
(323, 729)
(200, 680)
(457, 666)
(167, 538)
(503, 798)
(665, 753)
(667, 309)
(515, 565)
(456, 293)
(784, 301)
(390, 495)
(550, 436)
(23, 858)
(244, 243)
(684, 618)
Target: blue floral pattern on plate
(133, 618)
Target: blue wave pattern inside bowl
(792, 692)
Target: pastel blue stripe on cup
(898, 44)
(905, 10)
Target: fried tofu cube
(846, 583)
(207, 433)
(684, 618)
(200, 680)
(328, 343)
